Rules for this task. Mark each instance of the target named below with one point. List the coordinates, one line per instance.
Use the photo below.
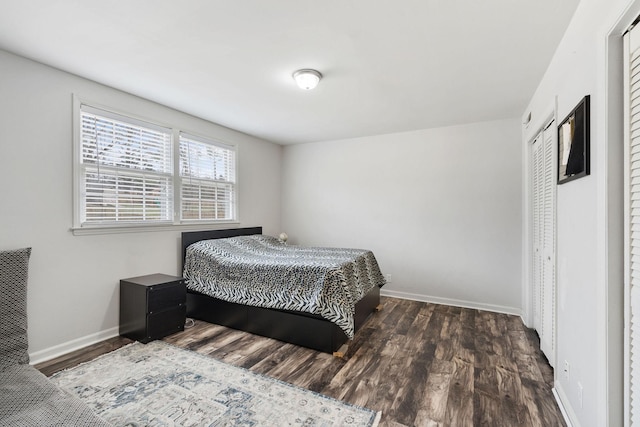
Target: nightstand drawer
(166, 322)
(166, 295)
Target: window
(128, 173)
(207, 172)
(126, 170)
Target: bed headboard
(190, 237)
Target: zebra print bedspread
(262, 271)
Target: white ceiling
(388, 65)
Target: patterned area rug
(158, 384)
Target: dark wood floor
(420, 364)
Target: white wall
(440, 208)
(73, 282)
(589, 214)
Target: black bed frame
(294, 327)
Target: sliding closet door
(548, 290)
(543, 223)
(632, 226)
(537, 168)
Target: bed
(298, 322)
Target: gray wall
(73, 283)
(440, 208)
(589, 223)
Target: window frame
(176, 223)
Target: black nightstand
(152, 306)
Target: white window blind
(126, 169)
(632, 225)
(207, 179)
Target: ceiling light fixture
(307, 79)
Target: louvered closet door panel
(548, 226)
(632, 212)
(538, 195)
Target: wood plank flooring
(420, 364)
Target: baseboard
(69, 346)
(566, 409)
(454, 302)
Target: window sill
(136, 228)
